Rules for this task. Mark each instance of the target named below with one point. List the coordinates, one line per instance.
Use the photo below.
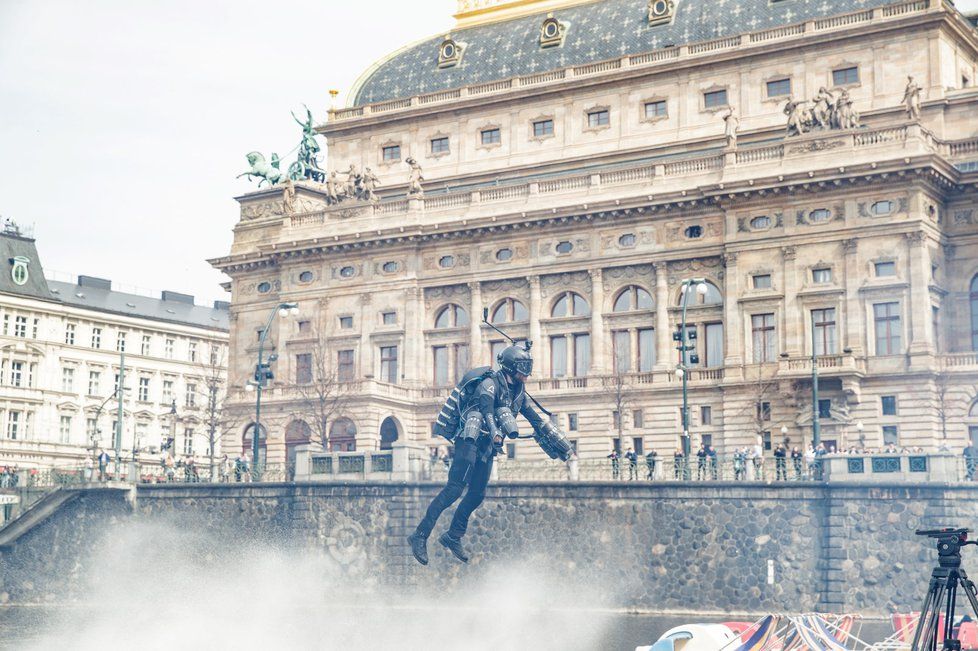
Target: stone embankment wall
(676, 547)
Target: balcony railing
(960, 361)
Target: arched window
(262, 439)
(388, 433)
(974, 313)
(711, 297)
(570, 304)
(973, 412)
(631, 298)
(297, 432)
(451, 316)
(510, 310)
(342, 436)
(972, 423)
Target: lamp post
(263, 374)
(172, 443)
(682, 371)
(816, 428)
(859, 434)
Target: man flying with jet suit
(479, 415)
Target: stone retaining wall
(678, 547)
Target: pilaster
(663, 337)
(794, 330)
(535, 303)
(476, 353)
(367, 319)
(598, 365)
(854, 334)
(733, 343)
(921, 324)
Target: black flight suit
(474, 454)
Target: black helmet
(515, 360)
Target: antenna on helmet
(485, 319)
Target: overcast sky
(123, 124)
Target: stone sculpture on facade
(288, 198)
(415, 179)
(911, 99)
(266, 171)
(306, 165)
(731, 125)
(826, 112)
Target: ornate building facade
(61, 344)
(567, 165)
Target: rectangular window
(823, 321)
(143, 389)
(70, 334)
(461, 361)
(616, 420)
(192, 351)
(16, 374)
(885, 269)
(215, 354)
(510, 450)
(762, 281)
(543, 128)
(764, 411)
(495, 347)
(389, 318)
(844, 76)
(707, 440)
(20, 326)
(655, 109)
(886, 318)
(167, 392)
(13, 425)
(144, 348)
(34, 325)
(825, 409)
(120, 342)
(778, 87)
(388, 364)
(392, 153)
(713, 350)
(766, 440)
(305, 327)
(190, 395)
(65, 429)
(558, 356)
(599, 118)
(582, 354)
(889, 405)
(168, 348)
(638, 418)
(91, 429)
(303, 368)
(706, 415)
(439, 145)
(440, 358)
(715, 98)
(96, 337)
(646, 350)
(821, 276)
(345, 369)
(638, 445)
(890, 435)
(346, 322)
(188, 441)
(622, 344)
(763, 336)
(68, 380)
(491, 136)
(94, 379)
(572, 422)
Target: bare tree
(942, 386)
(620, 394)
(323, 393)
(217, 418)
(761, 391)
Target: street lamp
(263, 373)
(171, 442)
(859, 434)
(682, 338)
(784, 434)
(816, 426)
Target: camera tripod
(942, 592)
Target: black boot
(419, 547)
(454, 545)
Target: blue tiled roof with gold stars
(595, 32)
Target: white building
(61, 344)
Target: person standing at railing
(739, 464)
(711, 458)
(970, 461)
(103, 463)
(678, 462)
(89, 469)
(780, 463)
(572, 470)
(650, 462)
(615, 464)
(632, 459)
(757, 461)
(796, 462)
(701, 463)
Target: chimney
(95, 283)
(177, 297)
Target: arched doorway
(343, 436)
(297, 433)
(389, 432)
(262, 442)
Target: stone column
(733, 325)
(792, 314)
(367, 323)
(476, 354)
(598, 366)
(854, 334)
(663, 335)
(535, 306)
(918, 312)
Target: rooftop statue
(306, 165)
(265, 171)
(911, 99)
(731, 125)
(415, 179)
(826, 112)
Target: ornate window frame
(664, 17)
(489, 127)
(714, 88)
(556, 40)
(391, 143)
(597, 108)
(642, 117)
(438, 135)
(841, 65)
(542, 118)
(456, 58)
(778, 76)
(871, 269)
(761, 271)
(760, 229)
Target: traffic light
(694, 359)
(691, 332)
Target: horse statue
(264, 170)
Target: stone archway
(390, 431)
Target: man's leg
(461, 466)
(476, 492)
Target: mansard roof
(595, 31)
